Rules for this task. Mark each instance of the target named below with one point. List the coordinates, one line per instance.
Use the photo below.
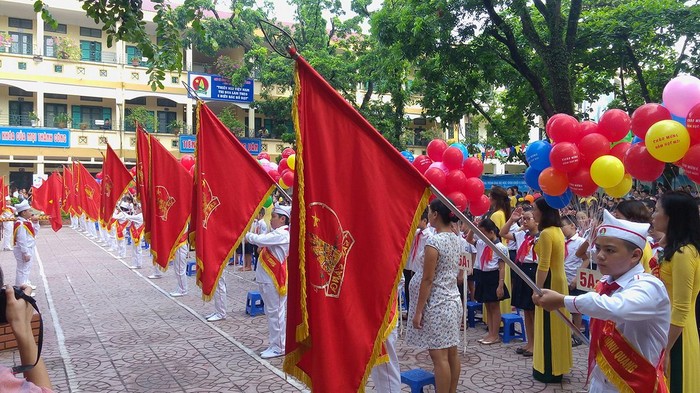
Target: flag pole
(505, 258)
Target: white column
(39, 35)
(188, 59)
(39, 110)
(251, 122)
(40, 165)
(189, 118)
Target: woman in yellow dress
(678, 218)
(553, 356)
(501, 210)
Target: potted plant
(175, 127)
(66, 49)
(62, 120)
(135, 61)
(34, 119)
(83, 126)
(5, 40)
(141, 116)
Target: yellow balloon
(291, 161)
(281, 183)
(667, 140)
(621, 189)
(607, 171)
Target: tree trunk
(638, 71)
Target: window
(50, 113)
(88, 115)
(88, 32)
(86, 98)
(61, 28)
(164, 102)
(133, 56)
(56, 96)
(164, 120)
(49, 45)
(90, 50)
(22, 43)
(19, 113)
(137, 101)
(20, 23)
(16, 91)
(129, 126)
(58, 68)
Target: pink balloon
(264, 156)
(459, 200)
(473, 189)
(472, 167)
(615, 124)
(681, 94)
(439, 165)
(286, 153)
(436, 148)
(422, 163)
(565, 157)
(436, 177)
(480, 206)
(456, 181)
(452, 158)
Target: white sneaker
(177, 294)
(153, 277)
(134, 267)
(210, 315)
(216, 317)
(271, 353)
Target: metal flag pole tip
(280, 41)
(191, 91)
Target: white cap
(22, 206)
(7, 198)
(283, 210)
(633, 232)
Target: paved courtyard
(111, 329)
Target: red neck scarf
(525, 248)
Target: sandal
(527, 354)
(496, 341)
(520, 350)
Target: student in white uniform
(26, 228)
(572, 263)
(271, 275)
(120, 223)
(136, 230)
(7, 212)
(630, 312)
(180, 266)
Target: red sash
(486, 257)
(136, 233)
(120, 229)
(27, 225)
(654, 264)
(276, 270)
(525, 248)
(620, 362)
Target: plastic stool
(191, 268)
(144, 244)
(472, 307)
(586, 324)
(254, 305)
(509, 332)
(417, 378)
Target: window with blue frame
(91, 51)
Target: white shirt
(572, 262)
(258, 227)
(25, 242)
(136, 219)
(415, 255)
(120, 216)
(640, 308)
(492, 264)
(520, 239)
(512, 245)
(277, 242)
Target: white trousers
(103, 234)
(180, 266)
(136, 254)
(112, 238)
(121, 247)
(220, 300)
(7, 227)
(276, 312)
(387, 376)
(74, 222)
(91, 229)
(23, 268)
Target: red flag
(52, 206)
(68, 191)
(40, 196)
(143, 170)
(353, 223)
(231, 188)
(76, 190)
(115, 182)
(89, 193)
(169, 200)
(2, 190)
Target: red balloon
(452, 158)
(620, 150)
(537, 195)
(581, 183)
(472, 167)
(286, 153)
(275, 175)
(436, 148)
(436, 177)
(565, 157)
(282, 165)
(455, 181)
(187, 161)
(615, 124)
(264, 156)
(473, 189)
(564, 128)
(692, 123)
(191, 171)
(591, 147)
(641, 165)
(589, 127)
(481, 206)
(553, 182)
(645, 116)
(554, 117)
(422, 163)
(288, 178)
(459, 200)
(133, 171)
(691, 163)
(98, 175)
(132, 191)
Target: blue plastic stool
(254, 305)
(128, 240)
(472, 307)
(509, 332)
(191, 268)
(144, 244)
(586, 324)
(417, 378)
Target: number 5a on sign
(586, 279)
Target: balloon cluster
(282, 173)
(454, 173)
(582, 158)
(187, 162)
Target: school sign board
(188, 143)
(34, 137)
(216, 87)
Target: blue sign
(216, 87)
(505, 181)
(34, 137)
(253, 145)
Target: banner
(115, 182)
(143, 170)
(34, 137)
(89, 193)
